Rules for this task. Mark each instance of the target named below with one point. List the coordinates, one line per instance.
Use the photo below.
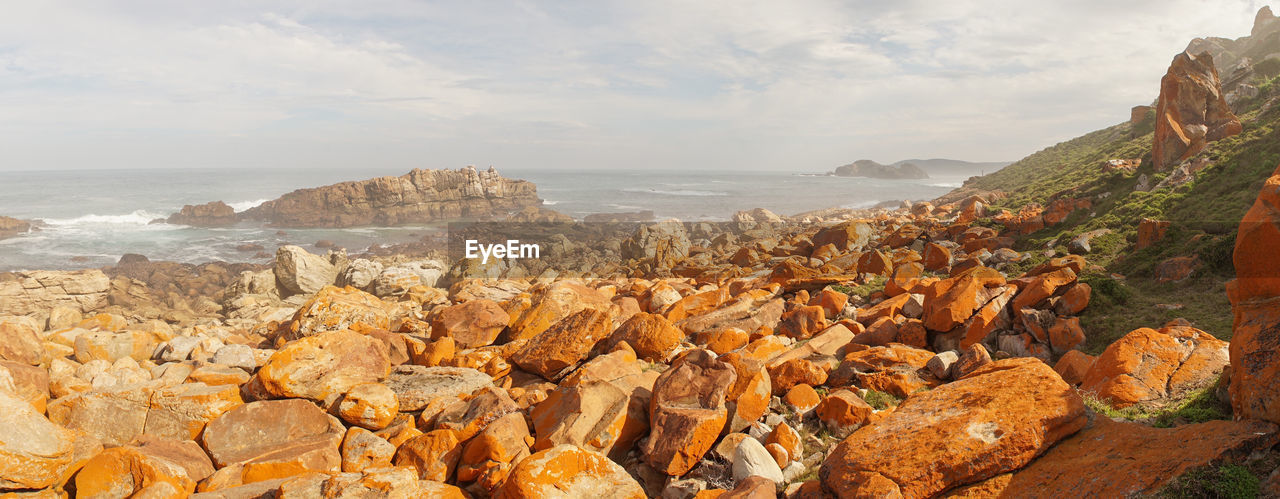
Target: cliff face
(417, 197)
(868, 168)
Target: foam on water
(137, 217)
(246, 205)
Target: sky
(798, 85)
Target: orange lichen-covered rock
(325, 365)
(875, 262)
(724, 340)
(687, 411)
(788, 438)
(889, 308)
(748, 397)
(1255, 364)
(369, 405)
(1073, 366)
(971, 358)
(34, 453)
(936, 257)
(1040, 289)
(843, 410)
(1122, 459)
(1148, 365)
(335, 309)
(652, 336)
(567, 471)
(802, 398)
(128, 472)
(264, 429)
(1191, 110)
(697, 304)
(906, 278)
(554, 302)
(1150, 232)
(990, 317)
(361, 450)
(602, 407)
(434, 454)
(831, 301)
(802, 322)
(1065, 334)
(794, 372)
(1013, 411)
(1074, 300)
(471, 324)
(950, 302)
(19, 340)
(488, 457)
(558, 349)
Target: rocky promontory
(872, 169)
(10, 227)
(420, 196)
(213, 214)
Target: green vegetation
(1197, 406)
(881, 400)
(1225, 481)
(865, 289)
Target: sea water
(92, 217)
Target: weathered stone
(434, 454)
(687, 411)
(37, 292)
(34, 453)
(602, 407)
(1148, 365)
(557, 350)
(266, 430)
(369, 405)
(652, 336)
(751, 459)
(472, 324)
(336, 309)
(1191, 111)
(361, 450)
(417, 386)
(300, 272)
(567, 471)
(995, 420)
(324, 366)
(19, 340)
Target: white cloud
(718, 84)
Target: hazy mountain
(954, 167)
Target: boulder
(487, 459)
(362, 449)
(360, 274)
(434, 454)
(557, 350)
(652, 336)
(417, 386)
(324, 366)
(751, 459)
(34, 453)
(687, 412)
(369, 405)
(554, 302)
(1255, 365)
(603, 407)
(398, 280)
(335, 309)
(37, 292)
(950, 302)
(1152, 366)
(1191, 111)
(20, 340)
(997, 419)
(300, 272)
(567, 471)
(472, 324)
(661, 245)
(274, 431)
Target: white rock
(940, 364)
(751, 459)
(240, 356)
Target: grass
(865, 289)
(1197, 406)
(1227, 481)
(1118, 307)
(880, 400)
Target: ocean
(92, 217)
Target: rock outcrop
(214, 214)
(1191, 111)
(10, 227)
(419, 196)
(38, 292)
(1255, 301)
(872, 169)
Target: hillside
(1202, 199)
(940, 167)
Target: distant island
(868, 168)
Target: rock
(1191, 111)
(842, 410)
(1177, 268)
(20, 340)
(240, 356)
(10, 227)
(213, 214)
(1122, 459)
(274, 431)
(996, 420)
(661, 245)
(567, 471)
(749, 397)
(971, 358)
(936, 257)
(1074, 300)
(36, 292)
(300, 272)
(1074, 366)
(950, 302)
(417, 386)
(470, 418)
(603, 407)
(687, 412)
(420, 196)
(1148, 365)
(324, 366)
(652, 336)
(1041, 288)
(336, 309)
(34, 453)
(754, 487)
(127, 472)
(847, 236)
(555, 351)
(1255, 370)
(398, 280)
(1150, 232)
(473, 324)
(360, 274)
(940, 364)
(362, 449)
(369, 405)
(434, 454)
(1065, 334)
(553, 303)
(487, 459)
(802, 322)
(784, 376)
(751, 459)
(802, 398)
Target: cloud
(719, 84)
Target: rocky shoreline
(812, 357)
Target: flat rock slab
(416, 386)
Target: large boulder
(1255, 301)
(556, 351)
(602, 407)
(20, 340)
(417, 386)
(567, 471)
(687, 412)
(1152, 366)
(1191, 111)
(553, 302)
(37, 292)
(34, 453)
(324, 366)
(473, 324)
(300, 272)
(652, 336)
(996, 420)
(266, 430)
(335, 309)
(661, 245)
